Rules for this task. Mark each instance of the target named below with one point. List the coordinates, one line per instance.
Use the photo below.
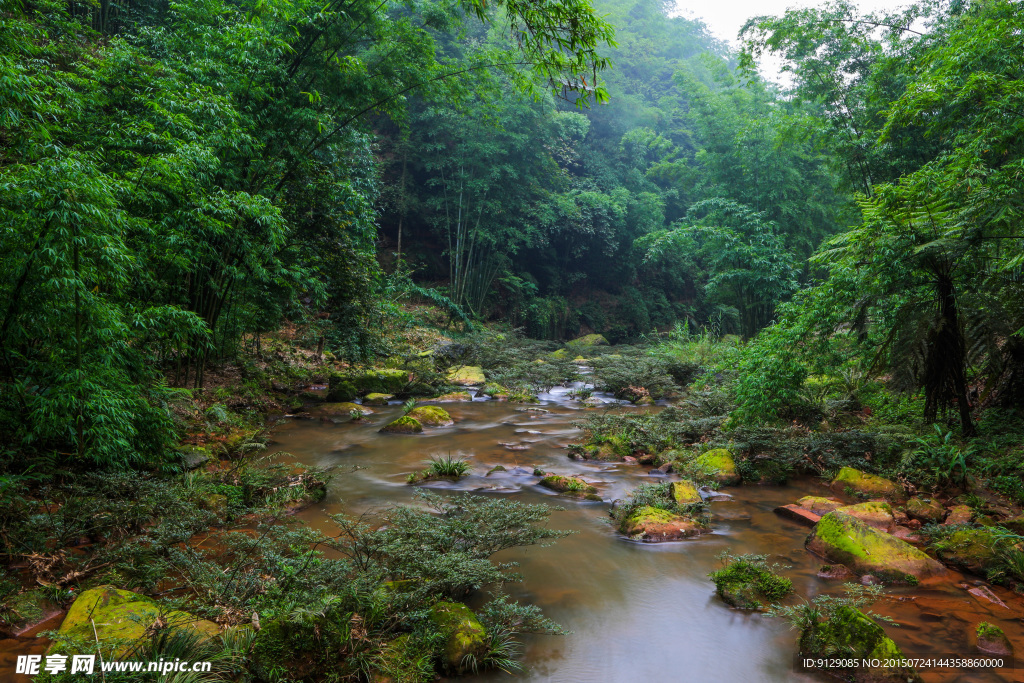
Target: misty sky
(725, 17)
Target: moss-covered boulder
(464, 634)
(467, 375)
(819, 505)
(121, 617)
(720, 463)
(991, 639)
(747, 583)
(959, 514)
(685, 493)
(875, 513)
(925, 510)
(560, 354)
(403, 425)
(343, 410)
(454, 397)
(853, 482)
(971, 550)
(587, 340)
(851, 635)
(377, 399)
(431, 416)
(1014, 524)
(570, 486)
(846, 540)
(340, 389)
(655, 525)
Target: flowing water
(637, 612)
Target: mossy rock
(463, 632)
(721, 464)
(852, 635)
(193, 457)
(494, 390)
(560, 354)
(431, 416)
(467, 375)
(875, 513)
(925, 509)
(819, 505)
(454, 397)
(376, 399)
(587, 340)
(850, 480)
(1014, 524)
(747, 585)
(685, 493)
(341, 410)
(991, 639)
(959, 514)
(971, 550)
(340, 389)
(656, 525)
(403, 425)
(121, 617)
(568, 485)
(496, 469)
(846, 540)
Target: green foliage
(749, 582)
(938, 461)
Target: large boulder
(453, 397)
(121, 617)
(464, 634)
(925, 510)
(819, 505)
(685, 493)
(431, 416)
(841, 538)
(334, 411)
(571, 486)
(345, 387)
(720, 463)
(971, 550)
(851, 635)
(587, 340)
(654, 525)
(854, 482)
(874, 513)
(377, 399)
(467, 375)
(403, 425)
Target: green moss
(587, 340)
(343, 409)
(876, 513)
(432, 416)
(648, 515)
(463, 632)
(869, 485)
(989, 631)
(840, 538)
(562, 484)
(925, 509)
(454, 397)
(748, 584)
(403, 425)
(851, 634)
(819, 505)
(972, 550)
(721, 464)
(467, 375)
(339, 388)
(685, 493)
(377, 399)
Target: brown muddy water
(637, 612)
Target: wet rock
(341, 410)
(749, 585)
(467, 375)
(839, 537)
(403, 425)
(959, 514)
(532, 410)
(629, 459)
(925, 510)
(834, 571)
(123, 616)
(195, 457)
(593, 402)
(991, 639)
(685, 493)
(874, 513)
(464, 635)
(571, 485)
(376, 399)
(513, 446)
(819, 505)
(496, 468)
(454, 397)
(431, 416)
(905, 534)
(1015, 524)
(665, 467)
(721, 463)
(984, 593)
(538, 472)
(851, 481)
(797, 514)
(655, 525)
(971, 550)
(852, 635)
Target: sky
(726, 17)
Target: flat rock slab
(985, 594)
(797, 514)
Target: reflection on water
(637, 612)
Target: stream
(636, 611)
